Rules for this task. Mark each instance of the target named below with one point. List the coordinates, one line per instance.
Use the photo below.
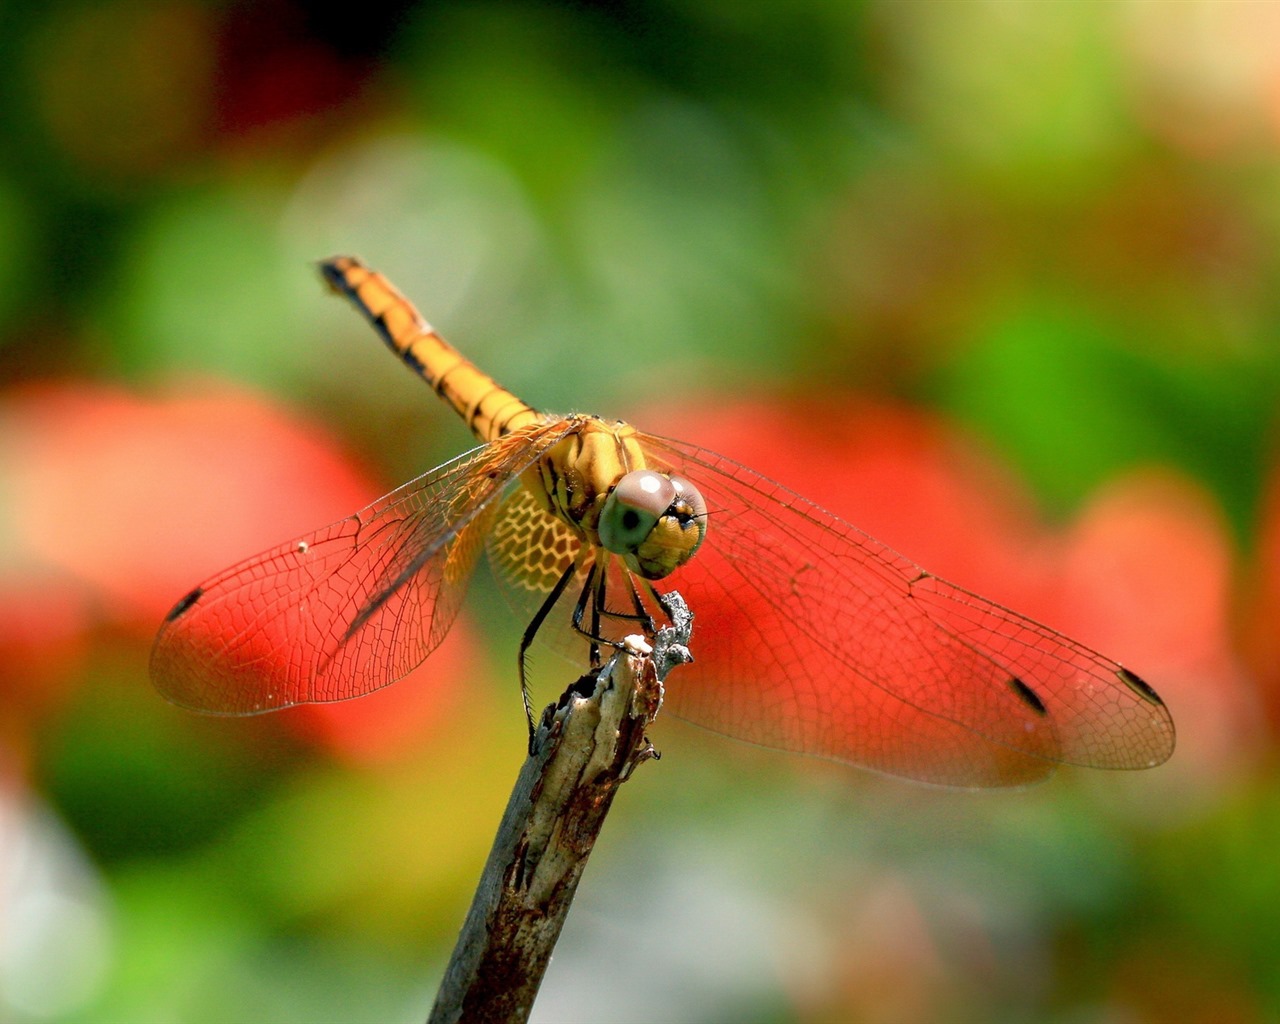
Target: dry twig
(586, 746)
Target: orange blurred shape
(1145, 573)
(1259, 609)
(1147, 566)
(1204, 75)
(139, 499)
(44, 627)
(399, 720)
(116, 505)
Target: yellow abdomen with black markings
(488, 409)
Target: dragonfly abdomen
(489, 410)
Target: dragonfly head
(655, 521)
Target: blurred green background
(995, 280)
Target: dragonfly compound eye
(655, 521)
(633, 509)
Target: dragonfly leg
(595, 586)
(642, 613)
(580, 609)
(594, 591)
(532, 630)
(597, 606)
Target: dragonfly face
(599, 482)
(812, 636)
(656, 522)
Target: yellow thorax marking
(573, 479)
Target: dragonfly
(814, 637)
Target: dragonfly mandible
(812, 636)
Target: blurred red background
(993, 283)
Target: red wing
(349, 608)
(811, 636)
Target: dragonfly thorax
(598, 481)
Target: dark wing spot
(184, 604)
(1139, 686)
(1028, 695)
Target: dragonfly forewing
(349, 608)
